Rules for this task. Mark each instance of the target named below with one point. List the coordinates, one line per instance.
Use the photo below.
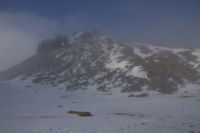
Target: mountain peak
(92, 60)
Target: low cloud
(20, 32)
(19, 35)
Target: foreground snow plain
(28, 108)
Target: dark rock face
(91, 61)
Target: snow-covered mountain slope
(40, 90)
(33, 108)
(90, 61)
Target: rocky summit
(92, 61)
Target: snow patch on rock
(197, 54)
(138, 71)
(114, 62)
(139, 53)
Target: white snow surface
(29, 108)
(197, 54)
(174, 50)
(156, 49)
(137, 71)
(138, 52)
(114, 62)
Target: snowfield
(28, 108)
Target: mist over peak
(24, 24)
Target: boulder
(80, 113)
